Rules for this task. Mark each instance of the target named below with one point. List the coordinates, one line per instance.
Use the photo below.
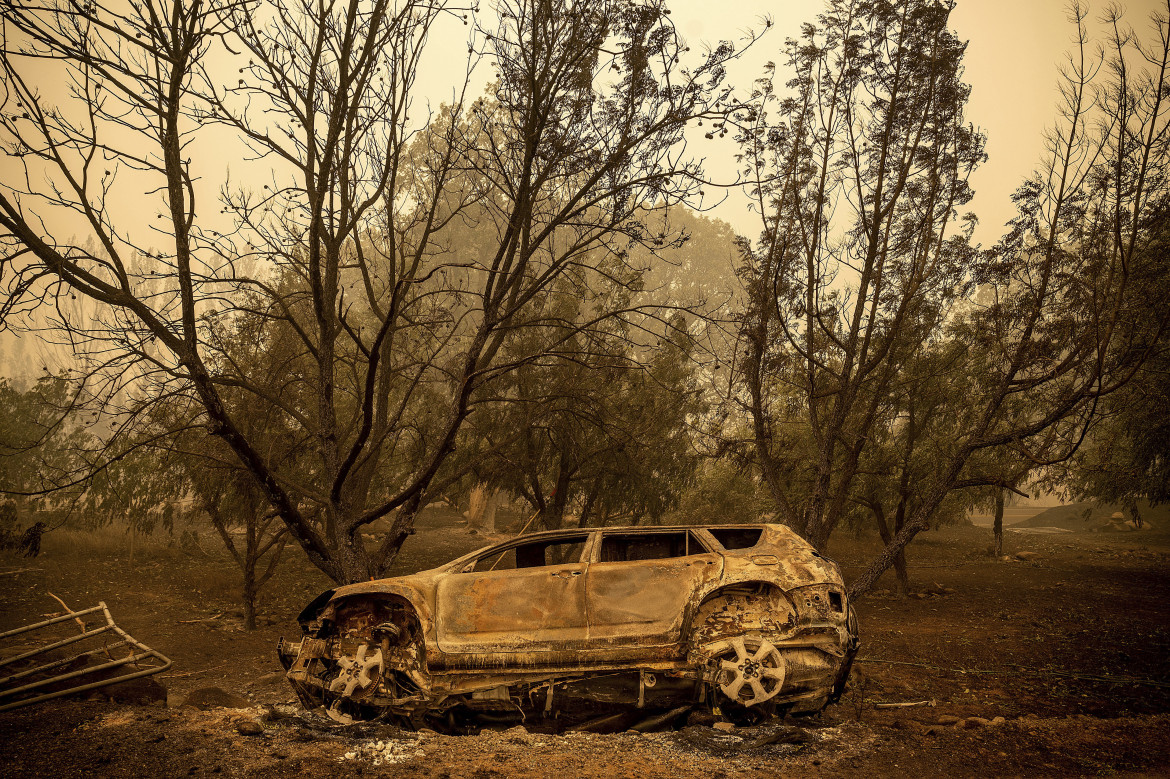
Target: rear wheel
(728, 644)
(748, 669)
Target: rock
(971, 723)
(144, 691)
(213, 697)
(1027, 556)
(1006, 558)
(701, 717)
(948, 719)
(518, 730)
(276, 677)
(726, 727)
(249, 727)
(998, 721)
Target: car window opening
(736, 537)
(649, 546)
(562, 551)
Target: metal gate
(28, 685)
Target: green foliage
(43, 442)
(600, 425)
(723, 493)
(1126, 459)
(859, 165)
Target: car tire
(747, 669)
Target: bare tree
(343, 254)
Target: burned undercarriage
(744, 619)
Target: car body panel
(482, 611)
(644, 603)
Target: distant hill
(1091, 516)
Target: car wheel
(747, 669)
(357, 677)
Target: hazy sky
(1013, 56)
(1015, 50)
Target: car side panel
(644, 602)
(538, 609)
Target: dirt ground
(1058, 665)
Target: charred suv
(739, 616)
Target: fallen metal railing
(146, 661)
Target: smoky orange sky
(1014, 54)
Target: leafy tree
(858, 167)
(43, 443)
(1126, 457)
(1064, 283)
(913, 428)
(722, 492)
(861, 264)
(601, 426)
(231, 501)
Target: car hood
(418, 588)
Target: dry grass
(111, 542)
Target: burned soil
(1057, 664)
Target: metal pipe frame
(144, 652)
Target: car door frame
(629, 623)
(495, 617)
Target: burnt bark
(887, 537)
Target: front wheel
(357, 677)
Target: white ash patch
(383, 752)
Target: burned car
(746, 617)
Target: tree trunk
(587, 507)
(481, 513)
(489, 512)
(402, 528)
(900, 559)
(1136, 515)
(250, 594)
(883, 527)
(997, 525)
(477, 503)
